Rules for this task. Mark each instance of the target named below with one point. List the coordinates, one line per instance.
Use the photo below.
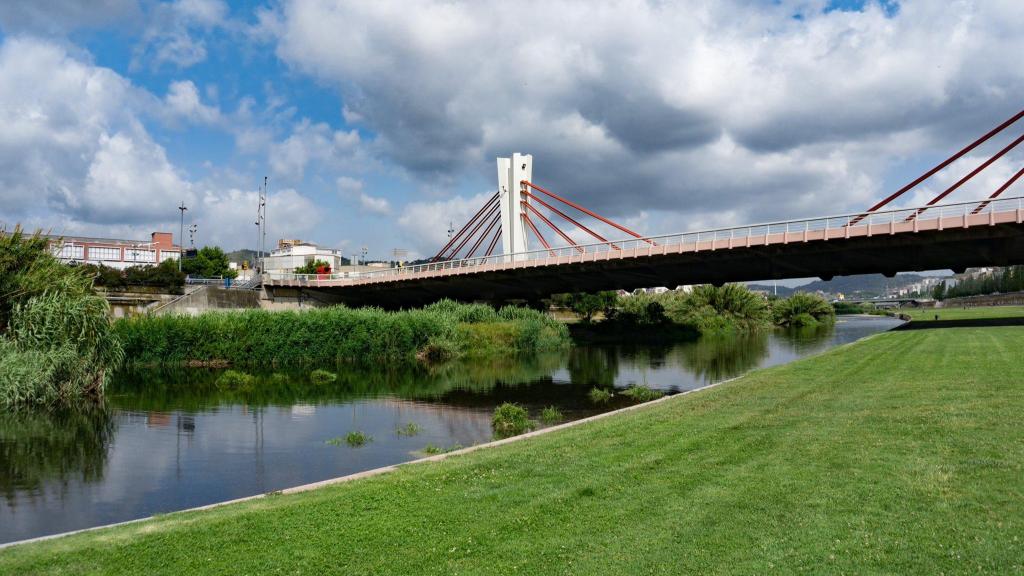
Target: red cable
(553, 227)
(494, 242)
(537, 232)
(1001, 189)
(588, 212)
(942, 165)
(486, 233)
(972, 174)
(473, 232)
(464, 228)
(571, 220)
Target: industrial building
(115, 253)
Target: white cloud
(173, 35)
(714, 112)
(228, 217)
(352, 189)
(313, 142)
(426, 223)
(75, 157)
(183, 101)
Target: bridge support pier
(511, 172)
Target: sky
(378, 123)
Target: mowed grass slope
(954, 313)
(899, 454)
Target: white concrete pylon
(511, 172)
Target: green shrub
(320, 376)
(802, 309)
(56, 341)
(641, 393)
(600, 396)
(357, 438)
(551, 415)
(432, 449)
(510, 420)
(720, 308)
(337, 333)
(439, 349)
(235, 380)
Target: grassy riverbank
(972, 313)
(902, 453)
(325, 335)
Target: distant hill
(782, 291)
(243, 255)
(862, 285)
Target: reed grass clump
(437, 332)
(356, 438)
(410, 429)
(56, 342)
(321, 376)
(599, 396)
(510, 420)
(641, 393)
(551, 415)
(235, 380)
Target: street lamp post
(181, 235)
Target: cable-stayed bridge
(528, 242)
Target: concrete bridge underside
(952, 248)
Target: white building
(292, 254)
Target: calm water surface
(166, 441)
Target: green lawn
(900, 454)
(954, 313)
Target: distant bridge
(986, 232)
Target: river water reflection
(166, 441)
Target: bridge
(936, 235)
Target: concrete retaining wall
(212, 298)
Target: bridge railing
(653, 244)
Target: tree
(209, 262)
(939, 292)
(586, 305)
(314, 267)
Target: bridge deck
(946, 236)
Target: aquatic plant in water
(235, 380)
(320, 376)
(551, 415)
(599, 396)
(410, 429)
(641, 393)
(510, 420)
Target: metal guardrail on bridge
(903, 219)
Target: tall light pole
(192, 235)
(261, 223)
(264, 202)
(181, 235)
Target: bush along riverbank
(441, 331)
(732, 308)
(56, 343)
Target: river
(171, 440)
